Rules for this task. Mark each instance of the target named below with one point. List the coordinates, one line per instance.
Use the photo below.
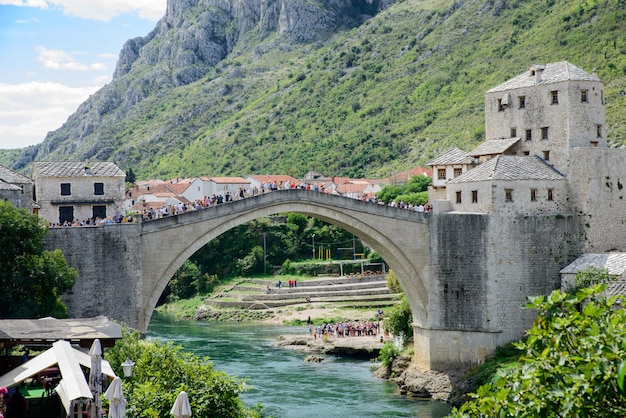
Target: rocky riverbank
(412, 380)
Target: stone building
(16, 188)
(69, 190)
(546, 134)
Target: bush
(399, 320)
(570, 365)
(388, 353)
(162, 370)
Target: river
(281, 380)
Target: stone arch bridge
(454, 268)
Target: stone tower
(552, 108)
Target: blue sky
(55, 53)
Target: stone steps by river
(356, 291)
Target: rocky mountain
(345, 87)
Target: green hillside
(385, 96)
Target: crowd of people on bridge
(149, 214)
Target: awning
(73, 385)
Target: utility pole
(264, 255)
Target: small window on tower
(458, 171)
(441, 174)
(458, 197)
(513, 132)
(529, 134)
(500, 106)
(550, 194)
(598, 131)
(554, 94)
(544, 133)
(533, 195)
(522, 102)
(508, 195)
(583, 96)
(474, 196)
(546, 155)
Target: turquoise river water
(281, 380)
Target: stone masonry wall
(485, 267)
(111, 253)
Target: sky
(55, 53)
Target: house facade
(71, 190)
(16, 188)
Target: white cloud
(108, 56)
(29, 111)
(103, 10)
(42, 4)
(55, 59)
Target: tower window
(474, 196)
(441, 174)
(598, 131)
(458, 171)
(583, 96)
(513, 132)
(550, 194)
(500, 106)
(522, 102)
(533, 195)
(554, 94)
(458, 197)
(508, 195)
(529, 134)
(98, 189)
(546, 155)
(544, 133)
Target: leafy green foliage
(189, 281)
(31, 279)
(388, 353)
(240, 250)
(163, 369)
(393, 283)
(415, 191)
(570, 365)
(399, 319)
(591, 276)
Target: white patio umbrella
(181, 408)
(95, 378)
(117, 402)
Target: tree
(570, 365)
(32, 279)
(413, 191)
(163, 369)
(130, 176)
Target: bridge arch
(399, 236)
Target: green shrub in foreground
(570, 365)
(162, 370)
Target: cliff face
(195, 35)
(191, 39)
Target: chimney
(538, 72)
